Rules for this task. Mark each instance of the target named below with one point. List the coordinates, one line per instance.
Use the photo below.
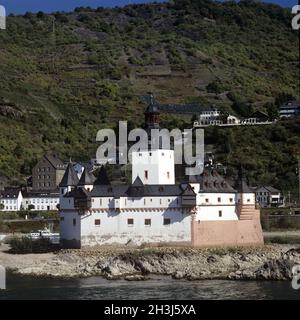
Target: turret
(245, 196)
(69, 180)
(152, 116)
(87, 180)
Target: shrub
(27, 245)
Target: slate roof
(102, 178)
(212, 182)
(186, 108)
(78, 193)
(241, 184)
(269, 188)
(86, 178)
(40, 194)
(10, 193)
(70, 177)
(55, 161)
(272, 190)
(129, 191)
(193, 108)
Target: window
(168, 175)
(230, 199)
(74, 222)
(220, 213)
(206, 200)
(219, 199)
(248, 200)
(167, 221)
(130, 222)
(62, 218)
(147, 222)
(97, 222)
(146, 174)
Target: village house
(268, 196)
(48, 172)
(290, 109)
(11, 199)
(203, 210)
(40, 201)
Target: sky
(22, 6)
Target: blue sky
(21, 6)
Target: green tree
(272, 110)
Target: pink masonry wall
(228, 233)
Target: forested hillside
(66, 75)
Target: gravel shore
(269, 262)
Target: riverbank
(269, 262)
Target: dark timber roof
(86, 178)
(70, 177)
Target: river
(158, 287)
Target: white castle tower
(153, 166)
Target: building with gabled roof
(11, 199)
(204, 210)
(268, 196)
(48, 172)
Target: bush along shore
(270, 262)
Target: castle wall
(114, 227)
(227, 233)
(216, 207)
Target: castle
(153, 209)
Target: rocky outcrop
(261, 263)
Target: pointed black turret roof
(241, 184)
(188, 190)
(86, 178)
(102, 179)
(137, 182)
(70, 177)
(137, 189)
